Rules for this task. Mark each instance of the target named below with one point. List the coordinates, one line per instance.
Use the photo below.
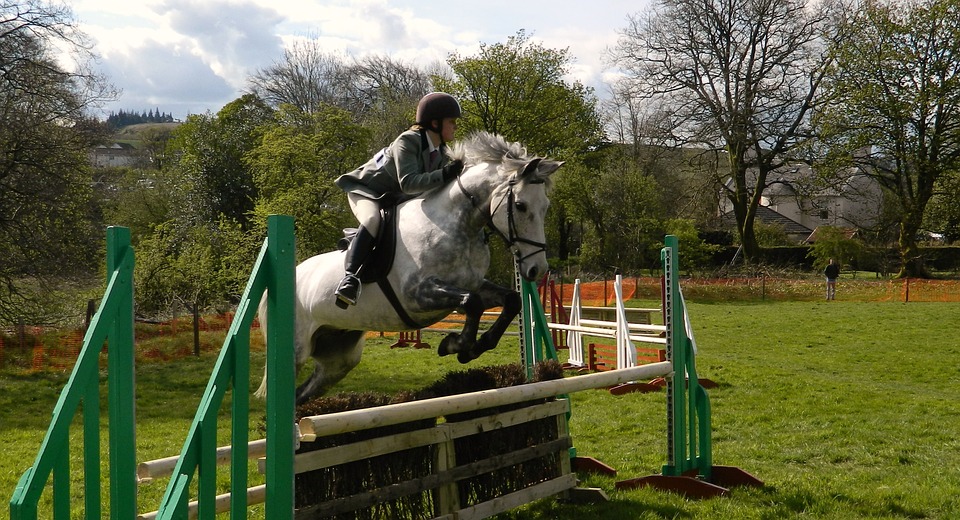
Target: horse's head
(518, 209)
(514, 186)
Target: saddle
(380, 260)
(378, 263)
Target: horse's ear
(548, 167)
(540, 168)
(530, 168)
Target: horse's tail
(262, 315)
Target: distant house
(795, 231)
(113, 155)
(793, 198)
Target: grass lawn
(846, 410)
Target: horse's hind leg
(335, 353)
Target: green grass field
(845, 410)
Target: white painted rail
(334, 423)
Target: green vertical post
(121, 390)
(280, 367)
(114, 319)
(91, 450)
(676, 385)
(688, 411)
(240, 429)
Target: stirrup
(348, 292)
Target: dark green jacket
(397, 170)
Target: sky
(193, 56)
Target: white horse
(439, 265)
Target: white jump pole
(334, 423)
(626, 352)
(575, 337)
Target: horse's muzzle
(532, 273)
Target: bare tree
(306, 77)
(740, 77)
(379, 91)
(383, 94)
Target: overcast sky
(193, 56)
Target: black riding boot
(349, 289)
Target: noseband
(512, 238)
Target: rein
(512, 238)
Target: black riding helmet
(436, 106)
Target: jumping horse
(439, 264)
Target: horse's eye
(521, 205)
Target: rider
(415, 162)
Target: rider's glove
(452, 170)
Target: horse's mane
(483, 146)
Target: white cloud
(198, 53)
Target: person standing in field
(832, 272)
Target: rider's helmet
(436, 106)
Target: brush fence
(457, 457)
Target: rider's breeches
(367, 212)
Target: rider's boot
(349, 289)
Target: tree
(943, 210)
(209, 158)
(383, 95)
(380, 92)
(295, 165)
(739, 77)
(517, 89)
(834, 243)
(619, 209)
(895, 109)
(307, 77)
(48, 231)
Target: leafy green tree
(895, 111)
(135, 198)
(49, 233)
(517, 89)
(294, 167)
(694, 253)
(833, 242)
(209, 153)
(618, 209)
(201, 267)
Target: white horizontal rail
(147, 471)
(255, 495)
(330, 424)
(631, 326)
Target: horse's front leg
(494, 295)
(437, 294)
(488, 296)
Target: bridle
(512, 238)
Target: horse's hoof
(444, 347)
(464, 357)
(484, 344)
